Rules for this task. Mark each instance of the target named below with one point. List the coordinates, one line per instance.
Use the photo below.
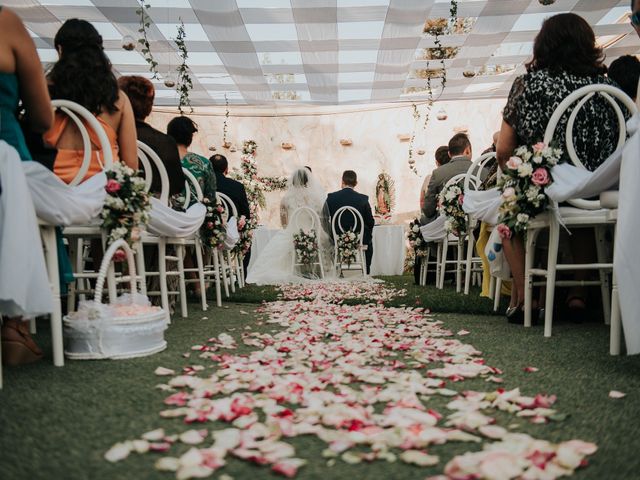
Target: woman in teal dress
(21, 80)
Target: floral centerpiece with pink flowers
(213, 231)
(414, 237)
(246, 235)
(348, 246)
(127, 205)
(450, 202)
(305, 243)
(525, 178)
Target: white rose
(525, 170)
(416, 228)
(522, 218)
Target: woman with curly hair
(565, 58)
(83, 75)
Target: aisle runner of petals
(357, 377)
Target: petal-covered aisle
(372, 383)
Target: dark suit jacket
(439, 178)
(235, 191)
(167, 150)
(348, 197)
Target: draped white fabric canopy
(326, 51)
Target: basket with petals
(127, 327)
(525, 178)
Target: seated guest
(565, 58)
(83, 75)
(21, 80)
(234, 190)
(141, 94)
(349, 197)
(181, 129)
(441, 158)
(625, 71)
(460, 155)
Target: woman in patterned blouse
(565, 58)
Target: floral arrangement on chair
(213, 230)
(126, 207)
(348, 247)
(305, 243)
(450, 202)
(246, 235)
(416, 242)
(525, 177)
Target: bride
(274, 264)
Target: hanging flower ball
(442, 114)
(128, 43)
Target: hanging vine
(225, 144)
(416, 118)
(184, 84)
(145, 23)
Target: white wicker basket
(98, 333)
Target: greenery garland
(184, 84)
(145, 23)
(226, 120)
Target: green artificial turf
(56, 423)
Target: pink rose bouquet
(525, 177)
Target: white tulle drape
(24, 285)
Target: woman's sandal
(18, 348)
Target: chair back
(338, 226)
(473, 177)
(191, 179)
(147, 157)
(80, 115)
(305, 218)
(580, 97)
(230, 209)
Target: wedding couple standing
(274, 264)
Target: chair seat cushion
(609, 199)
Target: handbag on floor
(498, 265)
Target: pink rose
(514, 162)
(119, 255)
(539, 147)
(210, 224)
(112, 186)
(461, 199)
(220, 209)
(504, 231)
(540, 176)
(242, 222)
(135, 234)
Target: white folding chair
(472, 181)
(581, 214)
(230, 264)
(443, 248)
(305, 218)
(337, 228)
(79, 115)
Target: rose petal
(616, 394)
(118, 452)
(161, 371)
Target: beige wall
(317, 142)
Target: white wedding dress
(274, 264)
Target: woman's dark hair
(83, 73)
(567, 43)
(442, 155)
(625, 71)
(182, 129)
(141, 94)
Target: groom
(348, 197)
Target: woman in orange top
(83, 75)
